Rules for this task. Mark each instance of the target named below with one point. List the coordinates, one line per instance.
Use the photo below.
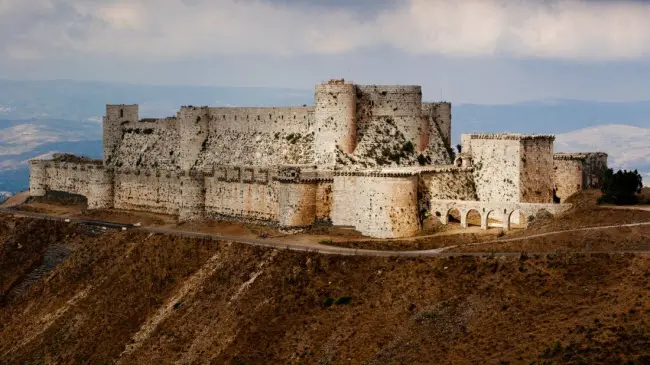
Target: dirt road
(325, 249)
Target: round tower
(335, 117)
(403, 105)
(37, 178)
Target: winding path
(334, 250)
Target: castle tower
(442, 117)
(514, 168)
(335, 120)
(37, 178)
(403, 105)
(115, 116)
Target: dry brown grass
(259, 306)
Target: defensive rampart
(373, 157)
(91, 180)
(290, 195)
(344, 128)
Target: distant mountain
(14, 170)
(549, 116)
(4, 195)
(81, 101)
(42, 117)
(628, 146)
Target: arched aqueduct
(503, 212)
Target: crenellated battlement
(512, 136)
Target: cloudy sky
(483, 51)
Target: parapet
(391, 89)
(302, 174)
(511, 136)
(403, 171)
(336, 82)
(577, 156)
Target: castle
(375, 158)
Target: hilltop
(148, 298)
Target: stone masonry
(372, 157)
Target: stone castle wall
(449, 183)
(377, 205)
(511, 167)
(439, 118)
(536, 172)
(595, 166)
(147, 190)
(248, 193)
(496, 168)
(577, 171)
(374, 157)
(568, 176)
(350, 126)
(147, 144)
(237, 192)
(88, 179)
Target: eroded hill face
(140, 298)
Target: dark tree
(458, 148)
(620, 188)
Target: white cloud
(626, 145)
(557, 29)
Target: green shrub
(620, 188)
(343, 301)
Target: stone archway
(454, 216)
(516, 219)
(473, 217)
(495, 218)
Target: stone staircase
(54, 256)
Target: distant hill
(551, 116)
(74, 100)
(14, 171)
(40, 117)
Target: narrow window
(121, 113)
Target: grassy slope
(192, 298)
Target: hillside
(145, 298)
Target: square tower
(512, 168)
(116, 116)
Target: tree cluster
(620, 188)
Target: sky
(464, 51)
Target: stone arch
(495, 218)
(453, 215)
(473, 217)
(517, 219)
